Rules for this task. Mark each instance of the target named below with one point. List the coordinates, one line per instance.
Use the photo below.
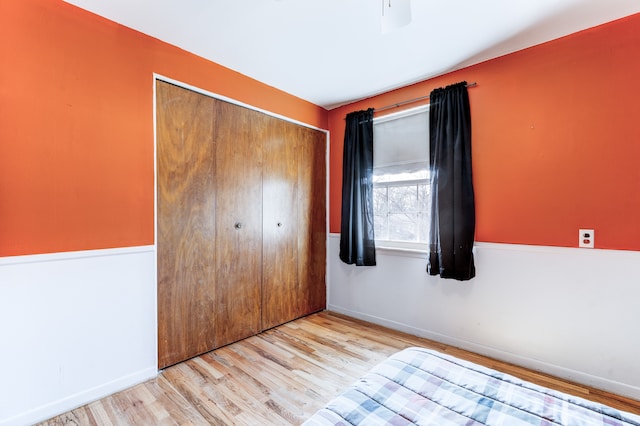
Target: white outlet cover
(586, 238)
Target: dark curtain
(356, 227)
(452, 199)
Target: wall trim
(501, 246)
(72, 255)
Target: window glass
(380, 210)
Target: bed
(426, 387)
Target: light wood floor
(279, 377)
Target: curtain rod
(410, 101)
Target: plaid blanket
(425, 387)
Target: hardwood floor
(279, 377)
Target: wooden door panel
(280, 295)
(312, 230)
(186, 219)
(238, 222)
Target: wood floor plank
(101, 410)
(77, 417)
(206, 398)
(173, 406)
(281, 377)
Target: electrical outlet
(586, 238)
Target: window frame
(402, 245)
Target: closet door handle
(238, 225)
(279, 224)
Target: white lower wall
(569, 312)
(74, 327)
(78, 326)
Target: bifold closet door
(312, 230)
(238, 221)
(186, 187)
(280, 295)
(294, 246)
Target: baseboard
(79, 399)
(618, 388)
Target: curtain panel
(452, 197)
(357, 245)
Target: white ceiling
(331, 52)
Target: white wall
(74, 327)
(78, 326)
(569, 312)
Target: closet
(241, 222)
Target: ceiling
(332, 52)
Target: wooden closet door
(312, 219)
(186, 219)
(238, 222)
(280, 293)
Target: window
(401, 179)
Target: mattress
(426, 387)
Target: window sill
(401, 251)
(386, 250)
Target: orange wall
(76, 125)
(556, 139)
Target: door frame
(196, 89)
